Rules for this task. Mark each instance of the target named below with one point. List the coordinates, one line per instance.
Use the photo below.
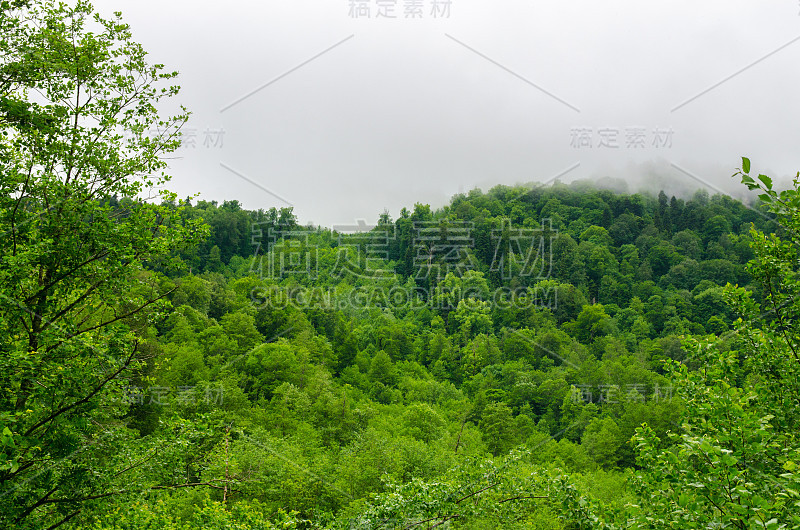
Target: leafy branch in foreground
(734, 461)
(79, 102)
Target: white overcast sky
(409, 110)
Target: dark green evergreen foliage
(635, 246)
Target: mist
(303, 104)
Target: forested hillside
(332, 375)
(530, 357)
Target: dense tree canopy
(557, 356)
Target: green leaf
(766, 180)
(746, 165)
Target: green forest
(560, 356)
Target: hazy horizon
(341, 117)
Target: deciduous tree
(75, 298)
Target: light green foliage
(473, 318)
(241, 328)
(602, 439)
(491, 397)
(732, 462)
(592, 322)
(423, 422)
(211, 515)
(479, 493)
(376, 415)
(78, 98)
(382, 370)
(497, 425)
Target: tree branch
(86, 398)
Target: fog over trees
(570, 355)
